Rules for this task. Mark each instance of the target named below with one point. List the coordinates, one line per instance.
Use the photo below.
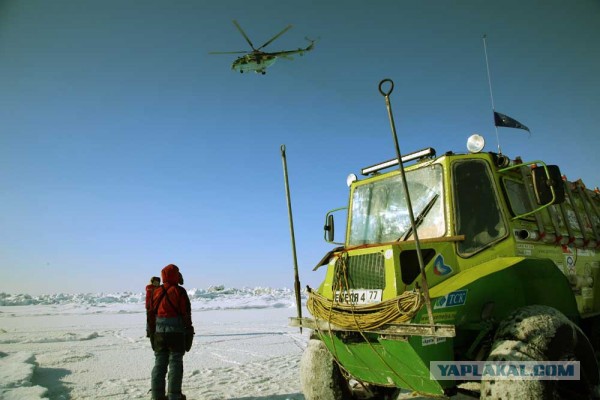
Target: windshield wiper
(420, 218)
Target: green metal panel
(510, 283)
(506, 283)
(385, 363)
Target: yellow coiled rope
(361, 317)
(400, 309)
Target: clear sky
(125, 146)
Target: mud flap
(392, 363)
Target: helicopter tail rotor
(312, 43)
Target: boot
(160, 397)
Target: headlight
(475, 143)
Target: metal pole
(289, 206)
(411, 215)
(487, 65)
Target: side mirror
(545, 181)
(329, 228)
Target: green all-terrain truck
(504, 266)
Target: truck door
(476, 205)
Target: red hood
(170, 274)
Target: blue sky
(125, 146)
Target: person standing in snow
(150, 317)
(173, 334)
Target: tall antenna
(487, 65)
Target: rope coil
(361, 317)
(400, 309)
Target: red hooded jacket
(171, 300)
(149, 290)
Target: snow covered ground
(94, 346)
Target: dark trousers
(169, 349)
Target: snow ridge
(214, 297)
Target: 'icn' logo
(439, 268)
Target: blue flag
(507, 122)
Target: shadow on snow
(291, 396)
(50, 378)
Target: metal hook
(411, 216)
(386, 94)
(282, 149)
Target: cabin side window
(478, 215)
(518, 200)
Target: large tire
(320, 376)
(540, 333)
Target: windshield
(379, 213)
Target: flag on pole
(507, 122)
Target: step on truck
(456, 262)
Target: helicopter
(258, 60)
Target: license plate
(359, 296)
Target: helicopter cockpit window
(478, 215)
(379, 211)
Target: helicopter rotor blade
(287, 28)
(243, 34)
(227, 52)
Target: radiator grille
(365, 271)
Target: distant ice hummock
(216, 297)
